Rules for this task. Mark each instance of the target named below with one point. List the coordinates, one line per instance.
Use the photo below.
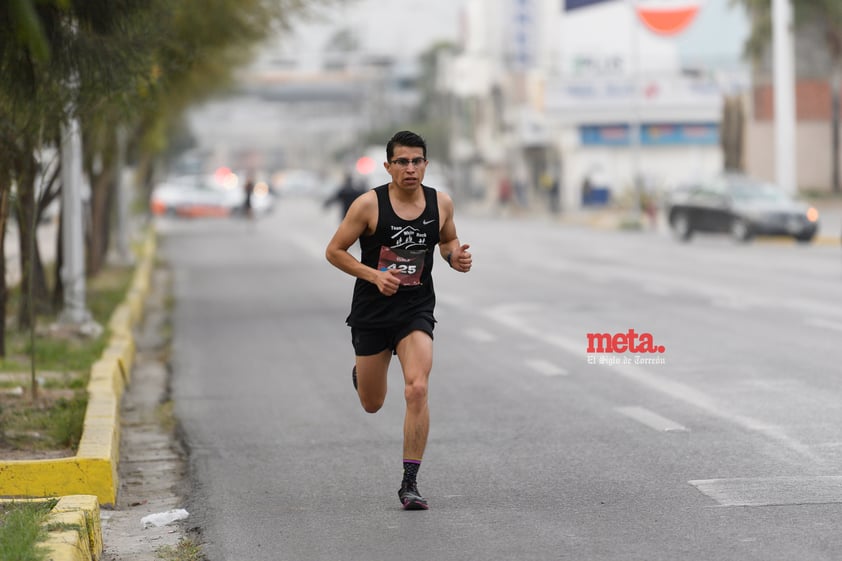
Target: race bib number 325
(409, 263)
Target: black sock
(410, 470)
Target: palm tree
(109, 63)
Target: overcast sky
(411, 26)
(383, 26)
(719, 32)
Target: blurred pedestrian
(345, 195)
(521, 195)
(248, 201)
(398, 226)
(505, 192)
(649, 206)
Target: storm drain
(772, 491)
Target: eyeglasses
(404, 162)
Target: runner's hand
(388, 281)
(461, 259)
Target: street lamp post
(784, 84)
(74, 312)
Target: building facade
(816, 153)
(557, 96)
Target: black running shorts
(373, 341)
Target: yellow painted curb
(827, 240)
(818, 240)
(93, 470)
(81, 511)
(74, 528)
(67, 539)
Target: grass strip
(184, 550)
(22, 530)
(57, 423)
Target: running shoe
(410, 498)
(354, 376)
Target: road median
(93, 469)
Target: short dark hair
(404, 138)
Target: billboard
(662, 17)
(568, 5)
(666, 17)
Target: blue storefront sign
(653, 134)
(523, 32)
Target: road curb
(818, 240)
(74, 528)
(827, 240)
(93, 470)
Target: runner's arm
(452, 251)
(357, 222)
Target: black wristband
(449, 255)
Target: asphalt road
(726, 446)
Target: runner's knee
(416, 392)
(371, 404)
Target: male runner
(398, 226)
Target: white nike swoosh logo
(425, 222)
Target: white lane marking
(453, 301)
(480, 335)
(729, 302)
(720, 296)
(766, 491)
(658, 290)
(671, 388)
(545, 368)
(827, 324)
(777, 385)
(826, 445)
(651, 419)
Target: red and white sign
(667, 17)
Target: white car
(207, 196)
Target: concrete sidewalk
(152, 468)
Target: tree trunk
(58, 284)
(100, 223)
(5, 187)
(834, 128)
(31, 268)
(146, 175)
(731, 133)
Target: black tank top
(407, 245)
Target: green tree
(204, 47)
(136, 64)
(78, 55)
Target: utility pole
(73, 244)
(635, 124)
(783, 69)
(122, 252)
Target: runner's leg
(372, 372)
(415, 352)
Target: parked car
(742, 206)
(207, 196)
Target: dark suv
(740, 206)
